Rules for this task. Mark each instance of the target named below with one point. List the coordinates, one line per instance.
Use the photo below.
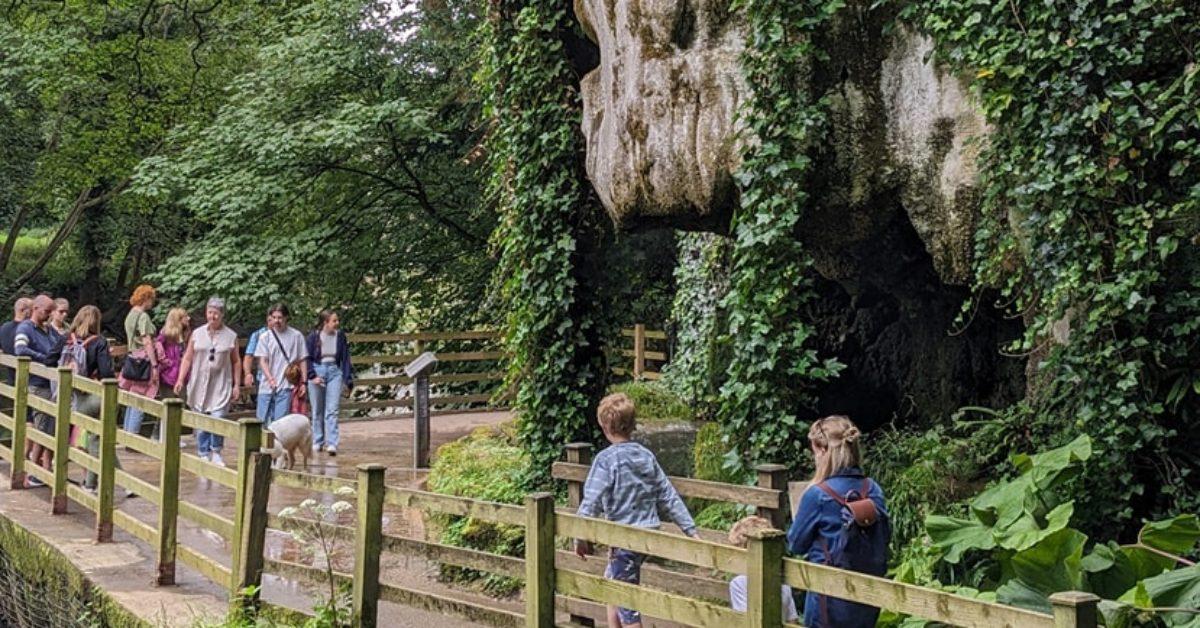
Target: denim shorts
(625, 566)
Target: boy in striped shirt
(628, 486)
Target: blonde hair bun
(851, 435)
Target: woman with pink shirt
(171, 342)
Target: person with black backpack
(842, 522)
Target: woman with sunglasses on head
(842, 521)
(212, 369)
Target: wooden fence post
(19, 412)
(368, 545)
(168, 482)
(249, 443)
(539, 560)
(1074, 609)
(578, 453)
(105, 487)
(421, 420)
(62, 442)
(639, 350)
(248, 570)
(774, 476)
(764, 579)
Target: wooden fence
(470, 372)
(556, 582)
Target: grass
(655, 402)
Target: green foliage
(490, 465)
(710, 459)
(1016, 543)
(771, 357)
(61, 274)
(721, 515)
(548, 226)
(923, 472)
(333, 174)
(90, 89)
(654, 401)
(1091, 206)
(699, 362)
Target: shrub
(489, 465)
(655, 402)
(921, 473)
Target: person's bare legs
(614, 618)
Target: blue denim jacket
(819, 518)
(313, 343)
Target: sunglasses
(212, 353)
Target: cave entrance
(885, 313)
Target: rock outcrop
(660, 117)
(660, 110)
(893, 187)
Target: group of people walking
(203, 366)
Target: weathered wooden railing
(165, 495)
(555, 581)
(558, 582)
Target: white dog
(292, 433)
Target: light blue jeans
(273, 405)
(207, 442)
(132, 422)
(326, 401)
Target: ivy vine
(1091, 220)
(771, 359)
(548, 225)
(698, 363)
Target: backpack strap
(824, 486)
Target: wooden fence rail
(555, 581)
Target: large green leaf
(1027, 531)
(1177, 536)
(955, 536)
(1016, 592)
(1049, 467)
(1109, 571)
(1175, 589)
(1054, 564)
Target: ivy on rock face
(1091, 213)
(771, 357)
(547, 225)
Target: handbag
(137, 369)
(292, 372)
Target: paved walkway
(126, 568)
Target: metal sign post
(420, 370)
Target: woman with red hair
(139, 375)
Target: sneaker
(129, 494)
(217, 459)
(332, 451)
(317, 449)
(32, 482)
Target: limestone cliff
(894, 187)
(660, 118)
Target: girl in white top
(212, 369)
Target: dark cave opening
(884, 312)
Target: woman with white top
(329, 375)
(212, 369)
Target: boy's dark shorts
(625, 566)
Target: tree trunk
(13, 232)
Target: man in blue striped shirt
(36, 339)
(627, 484)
